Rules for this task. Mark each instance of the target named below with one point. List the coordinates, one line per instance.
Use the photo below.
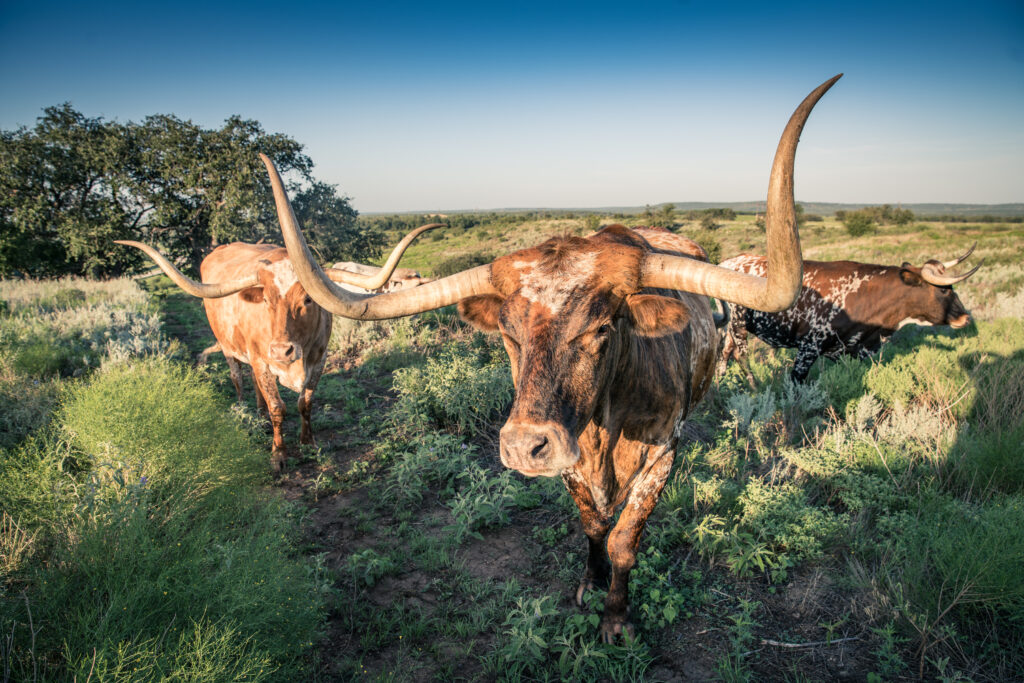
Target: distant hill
(822, 208)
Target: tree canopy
(72, 184)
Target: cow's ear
(910, 277)
(481, 311)
(657, 316)
(252, 295)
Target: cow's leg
(595, 526)
(266, 384)
(306, 399)
(261, 401)
(736, 342)
(235, 368)
(305, 411)
(807, 352)
(625, 537)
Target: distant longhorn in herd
(611, 342)
(847, 308)
(262, 316)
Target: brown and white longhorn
(611, 342)
(261, 316)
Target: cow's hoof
(585, 585)
(611, 629)
(277, 462)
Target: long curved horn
(958, 261)
(200, 289)
(785, 264)
(367, 306)
(380, 278)
(933, 275)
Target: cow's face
(933, 304)
(293, 316)
(567, 310)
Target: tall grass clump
(951, 571)
(156, 554)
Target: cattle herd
(610, 338)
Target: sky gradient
(436, 106)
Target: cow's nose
(283, 352)
(536, 449)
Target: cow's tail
(207, 351)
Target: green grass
(881, 501)
(138, 540)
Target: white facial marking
(552, 287)
(284, 276)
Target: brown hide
(844, 307)
(605, 374)
(275, 328)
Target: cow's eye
(603, 330)
(308, 300)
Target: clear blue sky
(442, 105)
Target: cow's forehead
(552, 284)
(552, 275)
(282, 275)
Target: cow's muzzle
(961, 321)
(284, 352)
(541, 449)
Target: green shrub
(459, 387)
(783, 515)
(843, 381)
(455, 264)
(982, 460)
(858, 224)
(950, 564)
(26, 404)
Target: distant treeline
(71, 185)
(972, 219)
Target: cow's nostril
(539, 447)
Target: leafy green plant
(367, 566)
(458, 387)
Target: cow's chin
(540, 473)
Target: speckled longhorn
(611, 342)
(847, 308)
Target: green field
(868, 525)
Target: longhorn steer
(262, 316)
(847, 308)
(611, 343)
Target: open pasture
(868, 525)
